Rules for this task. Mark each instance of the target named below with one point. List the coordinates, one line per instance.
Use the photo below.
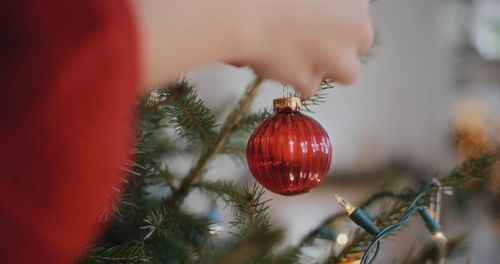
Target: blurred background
(432, 82)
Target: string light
(342, 239)
(358, 215)
(439, 236)
(215, 228)
(433, 226)
(365, 221)
(344, 203)
(325, 232)
(213, 214)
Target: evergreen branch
(314, 233)
(189, 228)
(172, 250)
(254, 248)
(238, 151)
(319, 97)
(287, 256)
(250, 212)
(472, 170)
(152, 111)
(118, 255)
(155, 224)
(251, 120)
(232, 120)
(433, 251)
(327, 84)
(221, 188)
(160, 173)
(131, 198)
(191, 118)
(169, 182)
(193, 228)
(251, 223)
(235, 146)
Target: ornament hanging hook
(284, 86)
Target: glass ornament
(289, 153)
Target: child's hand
(295, 41)
(303, 41)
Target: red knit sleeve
(68, 82)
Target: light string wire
(415, 205)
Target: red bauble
(289, 153)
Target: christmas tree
(151, 225)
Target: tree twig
(231, 121)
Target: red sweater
(68, 83)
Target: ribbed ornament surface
(289, 153)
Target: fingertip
(315, 85)
(348, 73)
(367, 38)
(302, 91)
(306, 86)
(307, 93)
(237, 64)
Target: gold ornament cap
(293, 103)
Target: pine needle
(133, 254)
(191, 119)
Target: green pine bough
(474, 170)
(151, 225)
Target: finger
(345, 69)
(292, 70)
(307, 84)
(366, 41)
(236, 63)
(367, 36)
(365, 31)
